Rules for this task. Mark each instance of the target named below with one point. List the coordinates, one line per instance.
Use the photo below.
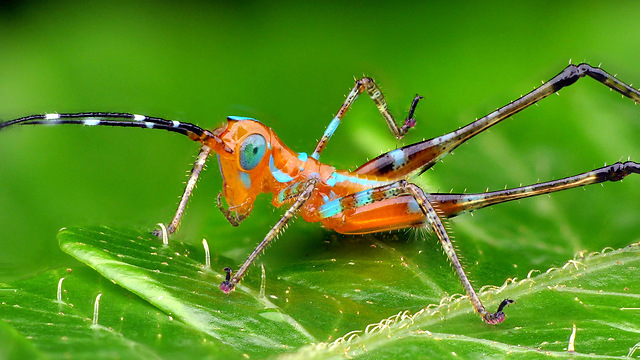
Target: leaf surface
(161, 301)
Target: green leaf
(184, 288)
(163, 302)
(597, 296)
(128, 328)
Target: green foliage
(162, 302)
(289, 66)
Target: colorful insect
(375, 197)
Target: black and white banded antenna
(111, 119)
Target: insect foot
(410, 121)
(497, 317)
(227, 286)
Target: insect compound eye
(251, 151)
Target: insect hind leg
(454, 204)
(412, 196)
(417, 158)
(433, 218)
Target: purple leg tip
(498, 316)
(226, 287)
(494, 319)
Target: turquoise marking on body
(240, 118)
(363, 198)
(278, 174)
(325, 198)
(330, 209)
(302, 157)
(333, 125)
(398, 158)
(291, 190)
(331, 181)
(282, 193)
(246, 180)
(328, 133)
(413, 207)
(337, 178)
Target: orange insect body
(374, 197)
(280, 167)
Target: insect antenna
(112, 119)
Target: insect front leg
(368, 85)
(232, 217)
(201, 159)
(233, 279)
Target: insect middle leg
(368, 85)
(416, 158)
(404, 204)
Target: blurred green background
(290, 65)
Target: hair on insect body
(377, 196)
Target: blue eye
(251, 151)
